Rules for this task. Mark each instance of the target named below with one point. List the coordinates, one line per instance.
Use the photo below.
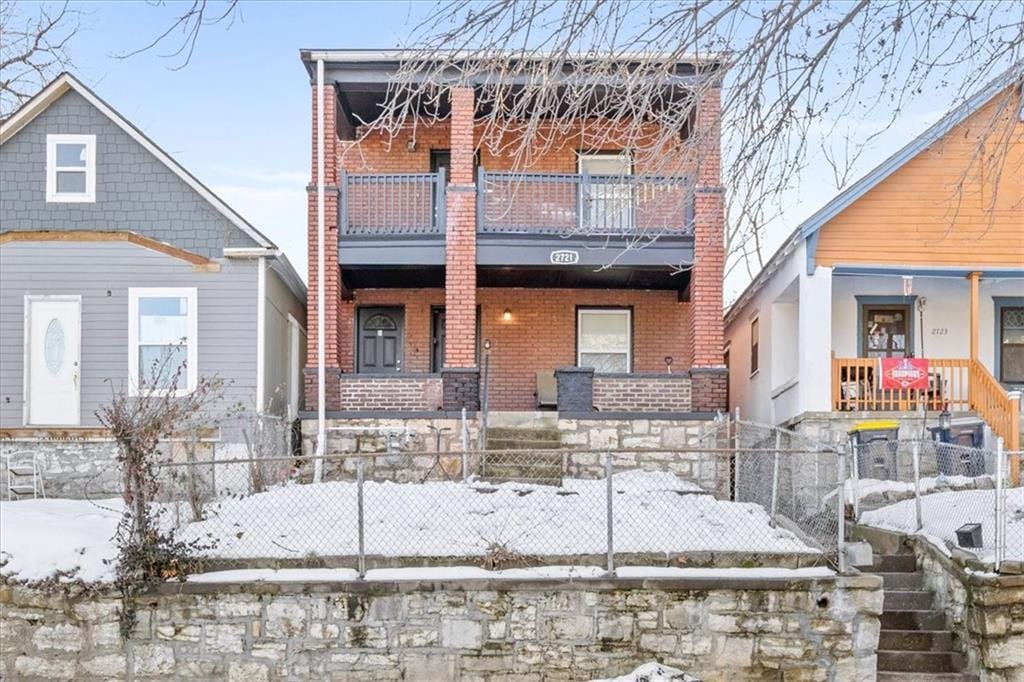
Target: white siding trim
(192, 359)
(261, 333)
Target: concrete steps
(531, 463)
(914, 643)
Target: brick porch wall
(366, 392)
(638, 393)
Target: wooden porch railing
(994, 405)
(856, 386)
(959, 384)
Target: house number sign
(565, 257)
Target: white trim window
(71, 168)
(604, 339)
(162, 340)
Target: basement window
(71, 168)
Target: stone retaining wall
(482, 630)
(985, 612)
(416, 441)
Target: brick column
(709, 375)
(460, 259)
(332, 271)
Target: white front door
(53, 351)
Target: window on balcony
(606, 202)
(604, 339)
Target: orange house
(921, 258)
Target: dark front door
(436, 339)
(380, 339)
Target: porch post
(814, 341)
(708, 373)
(974, 278)
(461, 376)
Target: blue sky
(238, 116)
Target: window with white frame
(162, 339)
(71, 168)
(604, 339)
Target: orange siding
(923, 215)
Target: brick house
(454, 277)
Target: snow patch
(653, 672)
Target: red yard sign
(905, 373)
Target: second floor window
(71, 168)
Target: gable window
(162, 337)
(71, 168)
(755, 340)
(604, 339)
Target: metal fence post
(841, 513)
(608, 519)
(775, 477)
(361, 566)
(1000, 510)
(917, 483)
(465, 447)
(856, 480)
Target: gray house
(113, 256)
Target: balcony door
(380, 340)
(606, 205)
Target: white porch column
(815, 341)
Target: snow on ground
(944, 512)
(39, 538)
(896, 490)
(438, 573)
(653, 512)
(653, 672)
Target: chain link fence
(688, 506)
(956, 496)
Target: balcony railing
(392, 204)
(582, 204)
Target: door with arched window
(380, 338)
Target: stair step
(523, 439)
(23, 489)
(913, 620)
(925, 677)
(906, 600)
(516, 444)
(22, 470)
(919, 661)
(915, 640)
(895, 563)
(902, 581)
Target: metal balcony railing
(583, 204)
(385, 204)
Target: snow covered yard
(653, 512)
(944, 512)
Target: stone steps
(530, 466)
(914, 643)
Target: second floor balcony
(522, 219)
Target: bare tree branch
(33, 48)
(183, 33)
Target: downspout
(261, 335)
(321, 372)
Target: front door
(53, 356)
(436, 339)
(380, 339)
(886, 331)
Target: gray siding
(134, 191)
(281, 302)
(102, 274)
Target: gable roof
(809, 229)
(65, 82)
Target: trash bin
(875, 444)
(962, 455)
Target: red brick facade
(541, 334)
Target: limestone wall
(482, 630)
(985, 612)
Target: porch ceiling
(562, 277)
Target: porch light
(487, 344)
(945, 419)
(507, 315)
